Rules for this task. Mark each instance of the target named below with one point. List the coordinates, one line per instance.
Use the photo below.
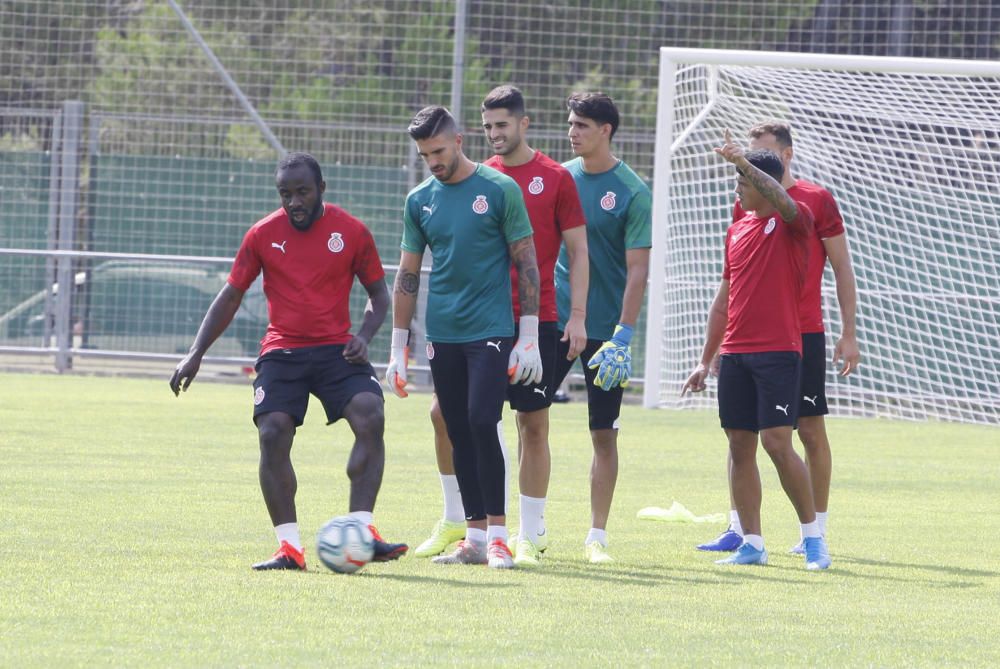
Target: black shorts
(286, 377)
(538, 396)
(758, 391)
(603, 406)
(813, 395)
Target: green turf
(129, 519)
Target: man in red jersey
(310, 253)
(556, 217)
(755, 318)
(829, 241)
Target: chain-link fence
(139, 137)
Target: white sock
(494, 532)
(475, 535)
(364, 516)
(754, 540)
(453, 510)
(734, 522)
(810, 530)
(821, 519)
(289, 532)
(600, 536)
(532, 517)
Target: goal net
(911, 152)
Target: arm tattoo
(773, 191)
(407, 283)
(528, 280)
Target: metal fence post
(458, 64)
(69, 192)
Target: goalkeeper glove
(525, 362)
(613, 361)
(399, 354)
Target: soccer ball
(345, 545)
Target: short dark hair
(431, 122)
(595, 106)
(768, 162)
(781, 131)
(505, 97)
(298, 159)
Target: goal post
(910, 149)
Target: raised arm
(218, 317)
(772, 190)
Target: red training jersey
(827, 224)
(553, 206)
(308, 275)
(765, 266)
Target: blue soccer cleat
(728, 541)
(817, 556)
(746, 554)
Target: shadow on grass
(452, 582)
(955, 571)
(659, 575)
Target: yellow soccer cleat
(597, 553)
(527, 553)
(445, 533)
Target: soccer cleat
(745, 554)
(286, 557)
(597, 553)
(444, 534)
(798, 549)
(386, 551)
(727, 541)
(467, 552)
(498, 555)
(817, 556)
(527, 553)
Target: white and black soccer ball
(345, 545)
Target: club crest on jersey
(480, 206)
(258, 396)
(430, 351)
(335, 243)
(608, 201)
(769, 228)
(536, 186)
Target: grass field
(129, 520)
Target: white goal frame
(671, 61)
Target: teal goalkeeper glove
(613, 360)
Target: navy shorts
(813, 396)
(538, 396)
(603, 406)
(758, 391)
(287, 376)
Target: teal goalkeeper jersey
(618, 207)
(467, 226)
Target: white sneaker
(499, 555)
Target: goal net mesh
(913, 161)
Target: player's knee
(812, 433)
(437, 418)
(275, 432)
(534, 433)
(366, 415)
(776, 442)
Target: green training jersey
(467, 226)
(618, 207)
